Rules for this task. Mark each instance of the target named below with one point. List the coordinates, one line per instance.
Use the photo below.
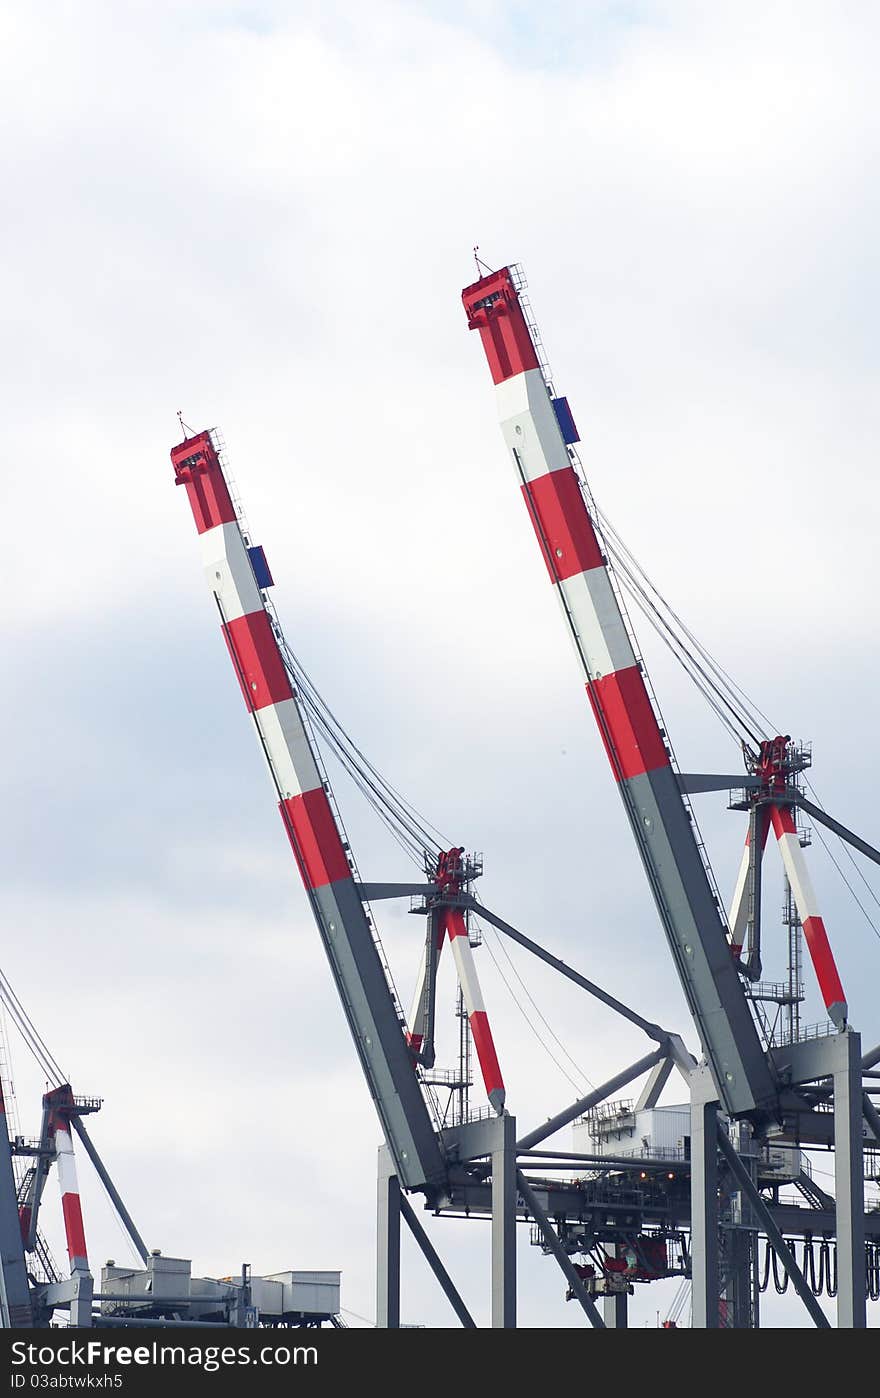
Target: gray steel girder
(378, 1035)
(698, 941)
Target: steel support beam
(694, 782)
(653, 1031)
(431, 1257)
(592, 1099)
(614, 1310)
(705, 1271)
(849, 1184)
(387, 1245)
(824, 818)
(125, 1217)
(548, 1232)
(82, 1284)
(138, 1322)
(374, 892)
(504, 1180)
(766, 1221)
(76, 1294)
(657, 1080)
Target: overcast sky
(262, 215)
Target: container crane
(539, 432)
(772, 1087)
(475, 1168)
(239, 580)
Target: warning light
(671, 1175)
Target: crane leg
(420, 1036)
(476, 1010)
(805, 900)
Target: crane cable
(412, 831)
(743, 719)
(33, 1040)
(415, 835)
(577, 1085)
(870, 921)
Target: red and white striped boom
(58, 1101)
(539, 431)
(237, 576)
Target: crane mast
(238, 577)
(539, 432)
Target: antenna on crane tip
(482, 267)
(187, 431)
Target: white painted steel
(589, 598)
(739, 906)
(529, 424)
(229, 572)
(798, 876)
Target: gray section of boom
(698, 941)
(378, 1035)
(365, 994)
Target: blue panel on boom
(566, 421)
(260, 566)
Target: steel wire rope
(747, 706)
(576, 1085)
(633, 577)
(26, 1027)
(366, 780)
(412, 841)
(698, 676)
(679, 1301)
(512, 964)
(852, 860)
(413, 833)
(855, 896)
(417, 825)
(46, 1062)
(639, 585)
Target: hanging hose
(781, 1287)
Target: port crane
(752, 1084)
(746, 1093)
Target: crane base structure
(161, 1293)
(699, 1214)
